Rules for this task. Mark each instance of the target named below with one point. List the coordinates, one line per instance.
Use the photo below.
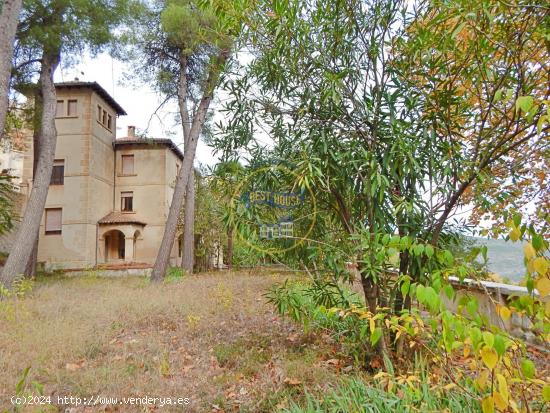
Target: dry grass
(210, 337)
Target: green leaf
(546, 393)
(21, 384)
(537, 242)
(472, 307)
(429, 251)
(528, 368)
(499, 345)
(449, 291)
(524, 103)
(418, 249)
(488, 338)
(405, 287)
(375, 336)
(421, 293)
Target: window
(127, 164)
(53, 221)
(287, 229)
(71, 107)
(126, 201)
(58, 172)
(104, 117)
(60, 109)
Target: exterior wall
(87, 192)
(93, 182)
(152, 189)
(171, 173)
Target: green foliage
(25, 390)
(411, 394)
(174, 274)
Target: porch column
(128, 249)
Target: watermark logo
(273, 210)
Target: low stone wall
(111, 273)
(490, 294)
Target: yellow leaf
(489, 357)
(488, 405)
(515, 234)
(543, 285)
(541, 265)
(500, 402)
(482, 379)
(504, 312)
(372, 325)
(547, 308)
(502, 387)
(466, 351)
(529, 251)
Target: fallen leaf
(72, 366)
(292, 382)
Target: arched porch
(119, 242)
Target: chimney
(131, 131)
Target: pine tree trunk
(9, 17)
(188, 253)
(191, 140)
(25, 239)
(30, 271)
(163, 256)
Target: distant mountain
(505, 258)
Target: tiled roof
(120, 218)
(142, 141)
(96, 87)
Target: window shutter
(59, 112)
(127, 164)
(71, 109)
(53, 220)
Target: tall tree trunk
(188, 254)
(9, 17)
(163, 256)
(230, 248)
(371, 291)
(30, 271)
(188, 247)
(24, 241)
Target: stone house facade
(109, 198)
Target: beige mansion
(109, 198)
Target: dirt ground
(210, 338)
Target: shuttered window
(127, 164)
(58, 172)
(60, 109)
(53, 220)
(71, 108)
